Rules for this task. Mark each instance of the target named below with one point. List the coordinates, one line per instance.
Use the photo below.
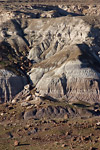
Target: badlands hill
(50, 75)
(54, 48)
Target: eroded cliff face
(10, 85)
(67, 65)
(51, 36)
(59, 56)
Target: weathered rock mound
(60, 56)
(67, 60)
(10, 85)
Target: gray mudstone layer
(10, 85)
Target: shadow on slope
(37, 10)
(90, 57)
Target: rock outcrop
(65, 55)
(82, 9)
(10, 85)
(60, 56)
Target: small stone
(36, 101)
(25, 104)
(67, 133)
(63, 145)
(14, 101)
(28, 98)
(65, 116)
(16, 143)
(26, 86)
(28, 126)
(93, 148)
(29, 107)
(18, 130)
(98, 123)
(37, 94)
(99, 139)
(2, 114)
(14, 124)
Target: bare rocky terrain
(49, 75)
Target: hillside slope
(59, 50)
